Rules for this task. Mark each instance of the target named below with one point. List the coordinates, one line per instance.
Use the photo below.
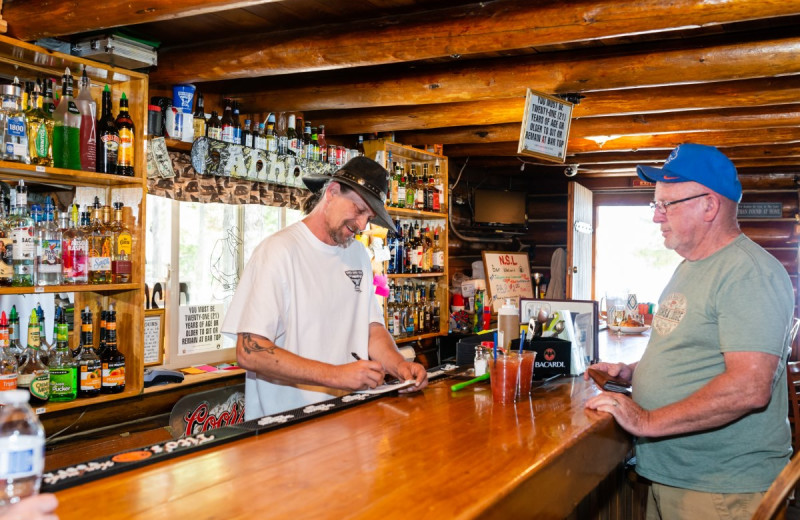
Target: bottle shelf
(47, 174)
(416, 337)
(407, 212)
(415, 275)
(41, 289)
(50, 407)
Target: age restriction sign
(545, 127)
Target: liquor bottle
(67, 128)
(270, 135)
(308, 146)
(107, 146)
(281, 133)
(121, 248)
(101, 344)
(438, 254)
(292, 143)
(89, 364)
(394, 186)
(48, 105)
(8, 361)
(88, 109)
(15, 346)
(74, 248)
(323, 145)
(301, 142)
(427, 185)
(419, 188)
(247, 134)
(45, 347)
(63, 368)
(411, 184)
(99, 247)
(314, 147)
(227, 122)
(260, 137)
(40, 132)
(6, 248)
(199, 118)
(112, 359)
(13, 124)
(439, 184)
(127, 145)
(214, 127)
(34, 375)
(360, 145)
(23, 248)
(49, 258)
(238, 135)
(401, 186)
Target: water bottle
(21, 448)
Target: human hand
(407, 370)
(34, 507)
(361, 375)
(629, 415)
(617, 370)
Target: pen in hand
(356, 356)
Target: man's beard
(337, 235)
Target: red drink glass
(504, 375)
(525, 374)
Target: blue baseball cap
(700, 163)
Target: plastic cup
(504, 375)
(183, 98)
(525, 374)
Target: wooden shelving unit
(408, 154)
(29, 62)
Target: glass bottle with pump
(63, 368)
(88, 109)
(67, 128)
(107, 147)
(8, 361)
(49, 259)
(127, 145)
(89, 364)
(40, 132)
(34, 376)
(14, 124)
(23, 248)
(113, 360)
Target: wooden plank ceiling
(651, 73)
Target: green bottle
(67, 128)
(63, 368)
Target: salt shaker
(481, 359)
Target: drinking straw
(494, 348)
(459, 386)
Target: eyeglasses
(659, 205)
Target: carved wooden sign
(545, 127)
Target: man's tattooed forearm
(251, 346)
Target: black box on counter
(553, 355)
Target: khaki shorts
(670, 503)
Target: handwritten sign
(545, 127)
(153, 337)
(508, 275)
(199, 328)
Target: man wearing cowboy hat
(305, 306)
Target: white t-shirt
(309, 298)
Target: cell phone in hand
(608, 383)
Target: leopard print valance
(188, 186)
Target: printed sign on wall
(199, 328)
(545, 127)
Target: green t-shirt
(738, 299)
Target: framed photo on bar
(153, 337)
(585, 321)
(545, 127)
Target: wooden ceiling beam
(761, 136)
(727, 94)
(621, 126)
(25, 17)
(552, 73)
(460, 31)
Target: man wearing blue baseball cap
(709, 403)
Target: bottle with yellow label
(34, 375)
(122, 245)
(90, 369)
(125, 154)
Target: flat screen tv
(500, 210)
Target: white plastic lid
(14, 397)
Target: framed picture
(153, 337)
(585, 321)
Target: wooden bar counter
(435, 454)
